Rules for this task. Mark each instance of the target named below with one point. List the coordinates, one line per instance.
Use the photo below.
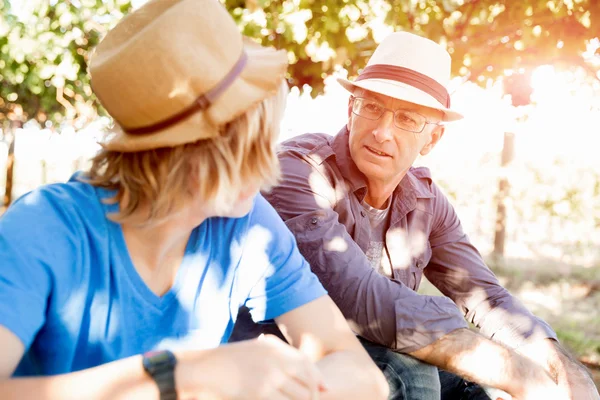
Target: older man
(371, 225)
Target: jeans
(411, 379)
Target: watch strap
(160, 365)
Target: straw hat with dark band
(173, 70)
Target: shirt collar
(418, 181)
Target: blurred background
(522, 169)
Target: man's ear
(436, 135)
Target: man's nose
(385, 127)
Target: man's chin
(374, 171)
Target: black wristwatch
(160, 365)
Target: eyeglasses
(404, 119)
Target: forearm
(366, 380)
(123, 379)
(480, 360)
(321, 333)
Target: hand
(572, 377)
(497, 394)
(536, 384)
(537, 390)
(264, 368)
(575, 381)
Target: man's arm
(320, 331)
(457, 269)
(481, 360)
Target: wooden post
(10, 163)
(508, 150)
(518, 86)
(44, 172)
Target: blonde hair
(242, 154)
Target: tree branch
(461, 29)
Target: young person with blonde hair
(125, 282)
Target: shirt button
(314, 221)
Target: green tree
(485, 37)
(45, 45)
(44, 49)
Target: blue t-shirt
(69, 290)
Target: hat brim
(261, 77)
(400, 91)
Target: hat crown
(411, 68)
(407, 50)
(162, 57)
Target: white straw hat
(410, 68)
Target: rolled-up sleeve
(458, 270)
(377, 308)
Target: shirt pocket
(305, 224)
(419, 262)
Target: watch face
(158, 356)
(156, 360)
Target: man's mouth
(377, 152)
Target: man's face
(381, 150)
